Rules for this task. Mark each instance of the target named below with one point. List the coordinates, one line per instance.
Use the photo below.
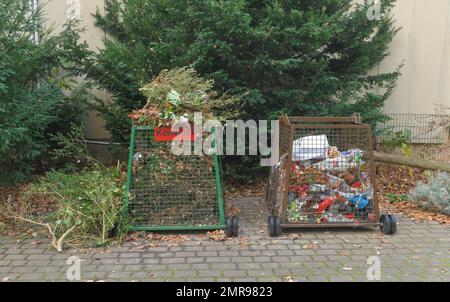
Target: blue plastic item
(360, 202)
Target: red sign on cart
(165, 134)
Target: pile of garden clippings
(169, 189)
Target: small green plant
(293, 212)
(396, 198)
(434, 195)
(71, 150)
(399, 139)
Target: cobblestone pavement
(418, 252)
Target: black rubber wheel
(393, 224)
(229, 227)
(274, 226)
(277, 226)
(385, 226)
(112, 233)
(234, 227)
(271, 226)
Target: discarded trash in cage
(328, 176)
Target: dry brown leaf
(399, 180)
(243, 242)
(311, 246)
(232, 211)
(294, 236)
(218, 235)
(289, 279)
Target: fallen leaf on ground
(237, 189)
(289, 279)
(218, 235)
(311, 246)
(132, 237)
(294, 236)
(243, 242)
(232, 211)
(398, 180)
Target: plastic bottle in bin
(324, 205)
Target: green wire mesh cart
(166, 192)
(325, 176)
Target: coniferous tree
(298, 57)
(32, 105)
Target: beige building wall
(57, 12)
(423, 44)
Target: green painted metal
(129, 170)
(218, 183)
(154, 159)
(178, 228)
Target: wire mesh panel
(166, 190)
(423, 136)
(331, 177)
(417, 128)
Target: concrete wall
(423, 45)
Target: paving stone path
(418, 252)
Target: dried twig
(57, 243)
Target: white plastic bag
(310, 147)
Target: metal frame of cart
(229, 224)
(288, 129)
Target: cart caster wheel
(393, 224)
(234, 227)
(388, 224)
(274, 226)
(270, 224)
(229, 227)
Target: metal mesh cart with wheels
(326, 176)
(168, 192)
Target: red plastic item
(357, 185)
(324, 205)
(350, 216)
